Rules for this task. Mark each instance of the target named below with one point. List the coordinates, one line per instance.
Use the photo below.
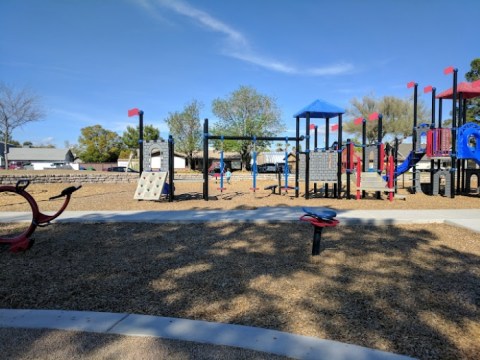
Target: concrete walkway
(264, 340)
(467, 218)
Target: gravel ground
(188, 196)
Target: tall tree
(17, 108)
(397, 116)
(97, 144)
(362, 108)
(246, 113)
(473, 107)
(186, 130)
(132, 134)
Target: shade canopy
(320, 109)
(468, 91)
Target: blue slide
(409, 162)
(468, 142)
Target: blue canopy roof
(320, 109)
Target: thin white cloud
(336, 69)
(264, 62)
(206, 20)
(238, 46)
(148, 6)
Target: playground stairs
(372, 181)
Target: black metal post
(171, 168)
(432, 126)
(379, 147)
(440, 113)
(297, 155)
(261, 138)
(414, 136)
(140, 141)
(464, 162)
(454, 134)
(307, 157)
(327, 133)
(395, 159)
(349, 165)
(317, 237)
(316, 149)
(339, 167)
(205, 160)
(364, 151)
(327, 147)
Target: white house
(41, 158)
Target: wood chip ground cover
(410, 289)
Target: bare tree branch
(17, 108)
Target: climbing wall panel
(150, 185)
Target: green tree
(362, 108)
(132, 134)
(97, 144)
(397, 116)
(17, 108)
(186, 130)
(246, 113)
(279, 147)
(473, 107)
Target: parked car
(60, 165)
(267, 168)
(15, 165)
(121, 169)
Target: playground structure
(458, 143)
(334, 165)
(23, 240)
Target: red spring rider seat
(319, 220)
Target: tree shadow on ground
(408, 289)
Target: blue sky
(92, 60)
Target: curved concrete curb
(246, 337)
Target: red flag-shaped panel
(358, 121)
(448, 70)
(373, 116)
(133, 112)
(312, 126)
(427, 89)
(411, 84)
(334, 127)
